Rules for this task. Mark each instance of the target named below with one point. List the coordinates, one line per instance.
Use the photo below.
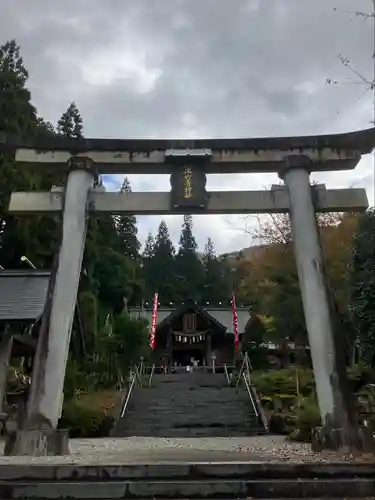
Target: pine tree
(188, 265)
(362, 303)
(209, 252)
(19, 235)
(216, 284)
(187, 240)
(70, 124)
(163, 242)
(45, 128)
(149, 250)
(147, 262)
(17, 114)
(126, 226)
(161, 270)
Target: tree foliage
(216, 273)
(362, 280)
(33, 236)
(188, 264)
(109, 270)
(126, 226)
(160, 266)
(271, 279)
(70, 123)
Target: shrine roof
(222, 316)
(361, 140)
(22, 294)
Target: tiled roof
(22, 294)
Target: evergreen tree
(45, 128)
(188, 265)
(70, 124)
(161, 275)
(216, 275)
(111, 276)
(187, 240)
(362, 304)
(163, 242)
(126, 226)
(17, 114)
(209, 254)
(149, 250)
(32, 236)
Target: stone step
(126, 422)
(186, 424)
(186, 396)
(190, 411)
(187, 419)
(209, 384)
(190, 406)
(197, 404)
(150, 420)
(192, 481)
(189, 381)
(190, 433)
(196, 393)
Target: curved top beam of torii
(137, 156)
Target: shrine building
(195, 332)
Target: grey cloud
(210, 68)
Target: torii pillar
(40, 435)
(339, 429)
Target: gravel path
(152, 450)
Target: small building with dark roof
(22, 300)
(194, 332)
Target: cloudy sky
(200, 68)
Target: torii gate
(187, 162)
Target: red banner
(153, 325)
(235, 324)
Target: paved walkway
(153, 450)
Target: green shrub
(284, 381)
(90, 415)
(360, 375)
(282, 423)
(307, 418)
(84, 422)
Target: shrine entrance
(187, 162)
(188, 356)
(189, 334)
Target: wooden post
(6, 344)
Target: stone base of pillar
(37, 443)
(328, 438)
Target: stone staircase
(190, 481)
(197, 404)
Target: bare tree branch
(362, 80)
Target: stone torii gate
(187, 162)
